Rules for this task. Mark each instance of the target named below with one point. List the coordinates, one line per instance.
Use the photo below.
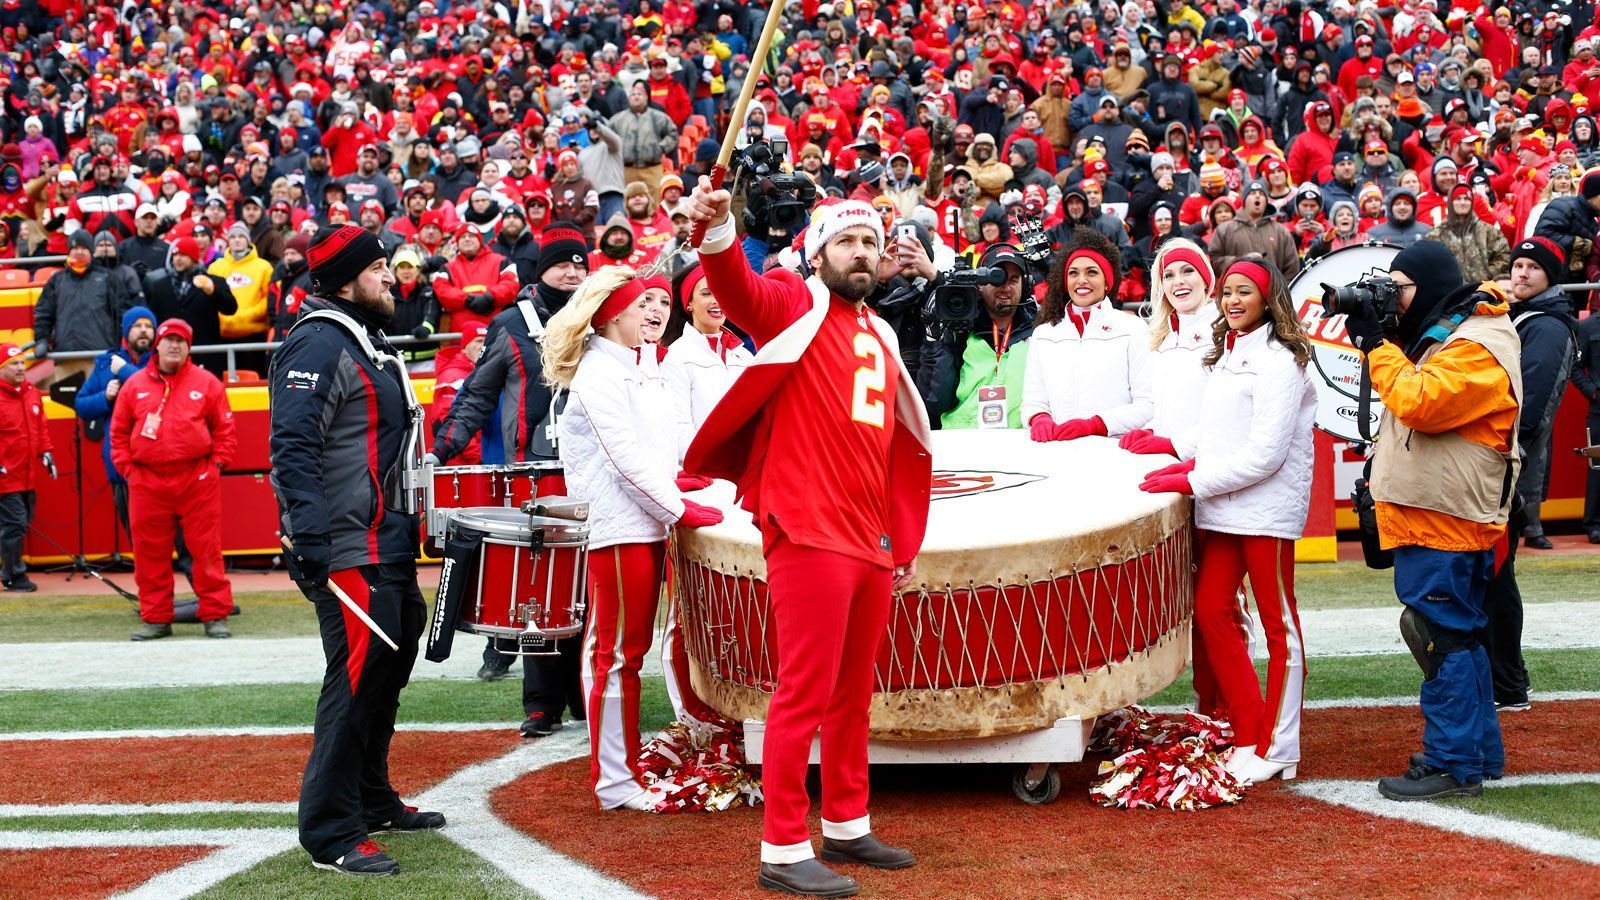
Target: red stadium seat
(41, 275)
(14, 278)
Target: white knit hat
(828, 221)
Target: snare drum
(463, 487)
(530, 480)
(528, 583)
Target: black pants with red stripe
(347, 777)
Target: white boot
(641, 802)
(1236, 759)
(1255, 770)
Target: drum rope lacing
(1056, 626)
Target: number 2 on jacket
(866, 399)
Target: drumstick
(351, 604)
(758, 63)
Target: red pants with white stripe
(1271, 725)
(159, 500)
(624, 585)
(830, 613)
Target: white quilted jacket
(619, 445)
(1252, 472)
(699, 377)
(1104, 373)
(1178, 379)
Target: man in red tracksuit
(24, 438)
(827, 439)
(171, 437)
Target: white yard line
(124, 664)
(239, 731)
(17, 810)
(464, 799)
(107, 665)
(1363, 796)
(238, 849)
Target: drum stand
(1035, 754)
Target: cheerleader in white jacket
(1251, 480)
(1088, 369)
(619, 448)
(1181, 324)
(701, 364)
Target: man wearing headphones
(972, 377)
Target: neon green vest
(978, 370)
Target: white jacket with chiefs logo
(1252, 472)
(1105, 372)
(1178, 379)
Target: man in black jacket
(1586, 377)
(144, 251)
(508, 375)
(182, 290)
(517, 245)
(1543, 318)
(340, 427)
(80, 306)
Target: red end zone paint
(971, 835)
(232, 769)
(72, 872)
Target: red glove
(1132, 437)
(698, 515)
(1072, 429)
(1042, 428)
(1150, 442)
(687, 482)
(1167, 484)
(1182, 468)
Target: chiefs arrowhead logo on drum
(967, 482)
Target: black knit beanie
(561, 242)
(339, 253)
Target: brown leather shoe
(808, 877)
(867, 850)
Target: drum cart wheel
(1036, 784)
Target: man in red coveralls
(171, 436)
(23, 438)
(828, 443)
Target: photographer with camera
(1444, 360)
(976, 354)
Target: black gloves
(308, 560)
(421, 331)
(482, 304)
(1365, 331)
(141, 267)
(41, 349)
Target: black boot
(1420, 765)
(867, 850)
(808, 877)
(1427, 783)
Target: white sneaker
(641, 801)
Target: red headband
(1192, 257)
(1256, 272)
(624, 296)
(1099, 259)
(687, 286)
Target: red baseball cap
(177, 327)
(8, 352)
(472, 331)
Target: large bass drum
(1334, 360)
(1049, 586)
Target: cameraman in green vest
(972, 378)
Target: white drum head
(1335, 362)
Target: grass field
(105, 616)
(437, 867)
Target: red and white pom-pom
(698, 766)
(1162, 761)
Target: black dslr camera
(956, 301)
(1378, 290)
(775, 202)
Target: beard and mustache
(853, 282)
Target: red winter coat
(24, 436)
(344, 145)
(488, 272)
(451, 369)
(1311, 151)
(196, 422)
